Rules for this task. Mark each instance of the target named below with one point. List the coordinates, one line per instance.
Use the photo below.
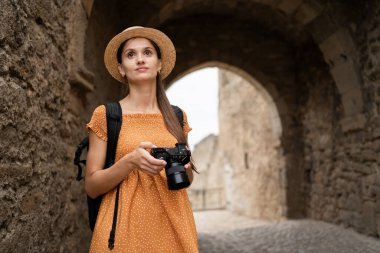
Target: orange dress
(151, 218)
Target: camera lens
(177, 177)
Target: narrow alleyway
(221, 231)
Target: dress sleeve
(186, 127)
(98, 123)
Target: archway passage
(305, 56)
(241, 167)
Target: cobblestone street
(221, 231)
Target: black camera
(175, 159)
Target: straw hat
(168, 54)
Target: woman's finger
(148, 170)
(151, 171)
(147, 145)
(155, 162)
(157, 167)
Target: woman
(151, 218)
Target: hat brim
(168, 54)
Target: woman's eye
(130, 54)
(148, 52)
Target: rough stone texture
(104, 23)
(342, 162)
(250, 140)
(207, 190)
(40, 200)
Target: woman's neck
(141, 99)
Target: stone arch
(334, 39)
(269, 92)
(302, 11)
(272, 173)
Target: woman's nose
(140, 58)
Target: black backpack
(114, 121)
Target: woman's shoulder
(99, 114)
(98, 122)
(100, 110)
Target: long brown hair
(171, 120)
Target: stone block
(353, 202)
(307, 11)
(289, 6)
(351, 123)
(339, 51)
(344, 216)
(345, 74)
(369, 218)
(368, 187)
(338, 44)
(375, 123)
(341, 184)
(269, 2)
(31, 202)
(341, 202)
(352, 102)
(377, 207)
(322, 27)
(369, 155)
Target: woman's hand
(141, 159)
(188, 168)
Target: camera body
(175, 159)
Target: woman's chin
(142, 78)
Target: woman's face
(139, 61)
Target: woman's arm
(99, 181)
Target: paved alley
(221, 231)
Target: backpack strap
(179, 113)
(114, 121)
(77, 161)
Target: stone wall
(208, 188)
(342, 163)
(41, 205)
(250, 140)
(103, 24)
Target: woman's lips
(142, 69)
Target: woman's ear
(121, 70)
(159, 66)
